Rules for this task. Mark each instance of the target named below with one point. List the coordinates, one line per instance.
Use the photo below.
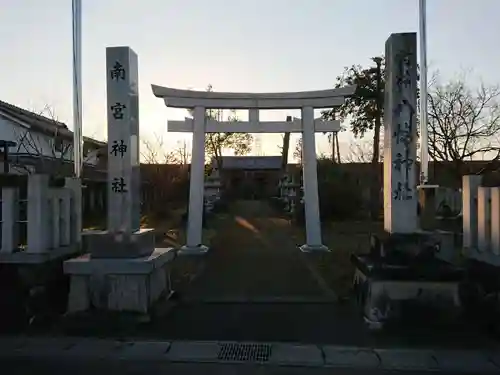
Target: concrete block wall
(481, 220)
(53, 216)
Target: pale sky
(235, 45)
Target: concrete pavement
(148, 368)
(243, 355)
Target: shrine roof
(251, 162)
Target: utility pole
(424, 142)
(379, 108)
(376, 183)
(286, 147)
(77, 87)
(335, 142)
(338, 147)
(334, 136)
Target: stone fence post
(37, 210)
(470, 185)
(75, 187)
(483, 218)
(10, 210)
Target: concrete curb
(273, 354)
(257, 300)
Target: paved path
(257, 286)
(254, 258)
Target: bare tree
(463, 123)
(51, 158)
(360, 151)
(154, 151)
(181, 153)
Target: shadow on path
(257, 286)
(253, 257)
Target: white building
(43, 144)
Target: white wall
(35, 143)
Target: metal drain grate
(244, 352)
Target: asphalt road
(156, 368)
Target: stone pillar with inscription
(400, 138)
(122, 271)
(123, 140)
(124, 237)
(401, 264)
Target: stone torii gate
(200, 101)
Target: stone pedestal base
(107, 245)
(193, 250)
(380, 287)
(379, 298)
(311, 249)
(126, 285)
(404, 246)
(33, 287)
(422, 245)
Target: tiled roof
(251, 162)
(41, 123)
